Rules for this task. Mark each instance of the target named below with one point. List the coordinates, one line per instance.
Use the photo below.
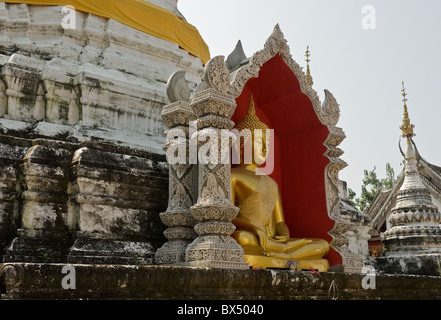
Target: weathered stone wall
(44, 281)
(83, 176)
(12, 153)
(88, 202)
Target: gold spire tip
(307, 54)
(407, 127)
(403, 93)
(308, 72)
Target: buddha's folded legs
(251, 243)
(317, 249)
(248, 241)
(294, 249)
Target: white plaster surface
(102, 80)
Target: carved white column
(182, 175)
(214, 209)
(44, 232)
(12, 152)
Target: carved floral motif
(217, 74)
(214, 211)
(182, 192)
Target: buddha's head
(254, 137)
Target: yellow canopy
(143, 16)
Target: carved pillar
(25, 94)
(116, 196)
(44, 234)
(3, 99)
(61, 98)
(350, 231)
(182, 184)
(12, 152)
(214, 210)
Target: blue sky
(363, 68)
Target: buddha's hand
(263, 239)
(300, 242)
(282, 232)
(281, 239)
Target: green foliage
(133, 260)
(45, 258)
(370, 187)
(390, 180)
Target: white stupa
(413, 241)
(99, 80)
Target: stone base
(172, 252)
(418, 264)
(38, 246)
(322, 265)
(44, 281)
(215, 252)
(218, 264)
(107, 251)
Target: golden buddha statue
(260, 225)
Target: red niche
(299, 151)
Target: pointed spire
(407, 127)
(251, 106)
(237, 58)
(251, 121)
(308, 72)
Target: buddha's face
(260, 146)
(253, 149)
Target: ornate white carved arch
(347, 226)
(328, 113)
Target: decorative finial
(407, 127)
(308, 72)
(177, 87)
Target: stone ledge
(21, 281)
(416, 264)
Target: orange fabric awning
(143, 16)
